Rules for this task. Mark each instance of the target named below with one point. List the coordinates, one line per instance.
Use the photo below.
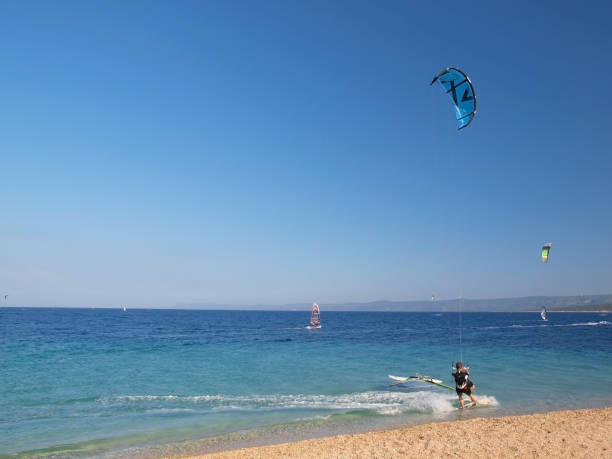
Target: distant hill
(528, 303)
(585, 308)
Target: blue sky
(159, 153)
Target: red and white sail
(315, 316)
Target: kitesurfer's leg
(472, 388)
(461, 400)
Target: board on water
(426, 379)
(482, 401)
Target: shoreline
(574, 433)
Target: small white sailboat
(124, 309)
(543, 314)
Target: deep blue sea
(104, 382)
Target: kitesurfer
(463, 385)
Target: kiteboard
(482, 401)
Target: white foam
(487, 400)
(587, 324)
(381, 402)
(577, 324)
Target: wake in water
(577, 324)
(380, 402)
(590, 324)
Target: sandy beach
(581, 433)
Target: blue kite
(459, 87)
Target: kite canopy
(459, 87)
(545, 252)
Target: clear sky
(159, 153)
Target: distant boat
(124, 309)
(315, 316)
(543, 313)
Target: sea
(143, 383)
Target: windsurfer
(463, 385)
(315, 316)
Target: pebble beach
(577, 433)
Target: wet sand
(580, 433)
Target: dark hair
(459, 365)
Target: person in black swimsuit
(463, 385)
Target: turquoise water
(83, 382)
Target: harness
(461, 380)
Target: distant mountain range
(585, 308)
(527, 303)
